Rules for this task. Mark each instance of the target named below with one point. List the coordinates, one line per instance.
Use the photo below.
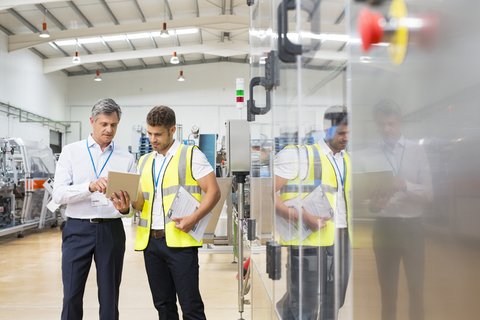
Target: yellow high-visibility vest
(177, 173)
(320, 174)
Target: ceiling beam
(83, 48)
(139, 10)
(50, 17)
(225, 49)
(154, 43)
(109, 12)
(54, 46)
(106, 45)
(169, 12)
(156, 66)
(225, 23)
(341, 17)
(8, 32)
(23, 20)
(124, 66)
(212, 48)
(130, 43)
(38, 53)
(79, 14)
(197, 10)
(6, 4)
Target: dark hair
(107, 107)
(161, 116)
(388, 107)
(335, 116)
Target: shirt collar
(91, 142)
(400, 143)
(327, 151)
(172, 151)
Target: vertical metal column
(241, 218)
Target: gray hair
(388, 107)
(107, 107)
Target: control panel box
(238, 146)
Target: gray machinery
(238, 164)
(25, 166)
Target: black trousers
(172, 272)
(395, 240)
(318, 291)
(83, 241)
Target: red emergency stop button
(370, 27)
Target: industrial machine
(25, 166)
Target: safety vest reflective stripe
(170, 190)
(144, 161)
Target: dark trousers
(105, 243)
(172, 272)
(395, 240)
(320, 288)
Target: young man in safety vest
(170, 253)
(322, 242)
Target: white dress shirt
(288, 166)
(408, 161)
(75, 171)
(200, 168)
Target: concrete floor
(31, 283)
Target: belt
(93, 220)
(157, 234)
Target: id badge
(98, 199)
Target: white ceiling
(123, 35)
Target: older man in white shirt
(93, 229)
(398, 233)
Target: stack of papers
(315, 204)
(184, 205)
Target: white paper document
(184, 205)
(315, 204)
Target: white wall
(206, 99)
(23, 85)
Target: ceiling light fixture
(181, 77)
(174, 59)
(76, 58)
(44, 33)
(164, 32)
(98, 78)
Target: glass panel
(261, 174)
(416, 165)
(309, 189)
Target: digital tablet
(125, 181)
(366, 183)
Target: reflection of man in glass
(398, 233)
(319, 251)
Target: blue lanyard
(158, 176)
(91, 158)
(401, 160)
(342, 179)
